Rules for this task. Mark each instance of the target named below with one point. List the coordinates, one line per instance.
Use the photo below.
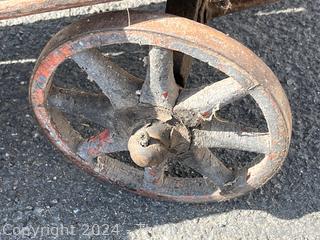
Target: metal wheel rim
(198, 41)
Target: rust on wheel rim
(247, 75)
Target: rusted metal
(202, 11)
(19, 8)
(200, 42)
(149, 146)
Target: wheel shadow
(50, 191)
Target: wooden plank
(223, 7)
(188, 9)
(18, 8)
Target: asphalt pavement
(42, 196)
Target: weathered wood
(18, 8)
(208, 165)
(188, 9)
(246, 141)
(116, 83)
(216, 8)
(204, 10)
(203, 102)
(160, 88)
(87, 105)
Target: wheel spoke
(230, 136)
(103, 143)
(93, 107)
(160, 88)
(117, 84)
(204, 101)
(154, 176)
(208, 165)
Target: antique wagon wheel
(154, 119)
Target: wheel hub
(156, 142)
(149, 146)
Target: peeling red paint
(101, 137)
(97, 142)
(93, 151)
(206, 114)
(54, 59)
(38, 97)
(165, 94)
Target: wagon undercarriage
(199, 10)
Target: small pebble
(75, 211)
(54, 201)
(38, 210)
